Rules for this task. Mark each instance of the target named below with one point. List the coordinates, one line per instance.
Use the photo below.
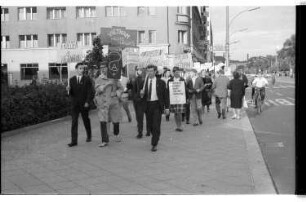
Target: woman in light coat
(107, 100)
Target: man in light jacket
(221, 93)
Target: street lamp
(228, 23)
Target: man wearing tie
(79, 89)
(155, 93)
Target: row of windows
(83, 39)
(53, 13)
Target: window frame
(52, 39)
(121, 12)
(25, 66)
(82, 42)
(5, 16)
(58, 65)
(154, 36)
(27, 15)
(182, 37)
(139, 36)
(5, 41)
(92, 12)
(62, 13)
(33, 43)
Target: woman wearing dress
(237, 91)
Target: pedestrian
(79, 88)
(237, 91)
(140, 103)
(177, 109)
(155, 93)
(220, 91)
(108, 93)
(195, 87)
(273, 79)
(206, 93)
(165, 77)
(127, 85)
(186, 114)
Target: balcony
(182, 19)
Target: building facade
(45, 41)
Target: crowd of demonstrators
(150, 94)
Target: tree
(286, 55)
(95, 57)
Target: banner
(177, 92)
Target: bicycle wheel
(259, 104)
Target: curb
(261, 177)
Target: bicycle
(259, 100)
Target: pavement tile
(41, 189)
(74, 191)
(25, 180)
(63, 185)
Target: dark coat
(137, 87)
(162, 95)
(80, 93)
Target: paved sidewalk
(218, 157)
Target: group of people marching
(151, 99)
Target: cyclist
(260, 82)
(253, 88)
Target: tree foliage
(286, 55)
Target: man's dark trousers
(140, 109)
(76, 110)
(154, 120)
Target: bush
(29, 105)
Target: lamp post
(228, 24)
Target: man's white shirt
(260, 82)
(153, 92)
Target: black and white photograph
(86, 108)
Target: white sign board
(177, 92)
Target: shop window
(28, 71)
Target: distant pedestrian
(273, 78)
(177, 109)
(140, 104)
(80, 89)
(237, 91)
(108, 93)
(206, 93)
(220, 91)
(34, 81)
(155, 92)
(195, 87)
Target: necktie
(150, 90)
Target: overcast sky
(267, 29)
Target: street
(275, 132)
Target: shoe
(219, 115)
(139, 136)
(224, 117)
(148, 134)
(195, 124)
(72, 144)
(88, 140)
(130, 120)
(234, 117)
(103, 144)
(154, 149)
(201, 122)
(187, 122)
(179, 130)
(118, 138)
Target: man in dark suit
(155, 94)
(80, 89)
(140, 104)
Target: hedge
(29, 105)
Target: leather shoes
(72, 144)
(139, 136)
(88, 140)
(154, 149)
(148, 134)
(219, 115)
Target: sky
(267, 29)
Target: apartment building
(41, 41)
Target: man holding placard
(177, 93)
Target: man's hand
(86, 105)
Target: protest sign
(177, 92)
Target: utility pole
(227, 38)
